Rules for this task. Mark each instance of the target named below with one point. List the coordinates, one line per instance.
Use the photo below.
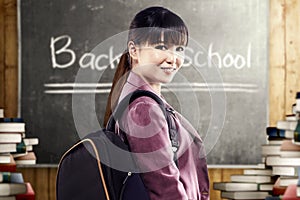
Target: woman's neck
(156, 87)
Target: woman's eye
(161, 47)
(179, 49)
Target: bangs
(171, 36)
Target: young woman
(156, 42)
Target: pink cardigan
(148, 137)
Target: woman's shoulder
(144, 109)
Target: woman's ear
(133, 52)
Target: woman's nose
(171, 57)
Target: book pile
(278, 176)
(14, 145)
(284, 159)
(13, 187)
(13, 142)
(255, 183)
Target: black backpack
(87, 170)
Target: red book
(29, 195)
(288, 145)
(9, 167)
(277, 189)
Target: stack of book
(28, 157)
(11, 184)
(291, 193)
(13, 141)
(12, 131)
(13, 187)
(285, 166)
(279, 177)
(256, 183)
(285, 159)
(278, 170)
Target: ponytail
(119, 81)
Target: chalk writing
(203, 58)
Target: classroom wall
(284, 68)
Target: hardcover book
(282, 161)
(231, 186)
(277, 189)
(288, 180)
(284, 171)
(251, 178)
(245, 195)
(12, 127)
(28, 159)
(7, 148)
(16, 119)
(286, 125)
(270, 150)
(10, 137)
(11, 177)
(274, 132)
(9, 167)
(267, 172)
(288, 145)
(4, 158)
(8, 198)
(29, 195)
(7, 189)
(31, 141)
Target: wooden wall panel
(277, 74)
(216, 176)
(292, 51)
(2, 52)
(52, 183)
(42, 183)
(11, 59)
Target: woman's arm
(148, 137)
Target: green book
(11, 177)
(297, 133)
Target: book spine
(6, 177)
(274, 132)
(6, 119)
(296, 136)
(21, 147)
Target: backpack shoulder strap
(168, 113)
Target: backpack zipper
(128, 175)
(124, 184)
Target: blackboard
(69, 49)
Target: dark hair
(146, 27)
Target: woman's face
(158, 63)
